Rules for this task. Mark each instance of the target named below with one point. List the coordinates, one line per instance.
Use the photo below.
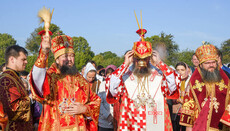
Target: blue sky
(110, 25)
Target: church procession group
(142, 94)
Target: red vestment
(3, 117)
(60, 91)
(196, 101)
(135, 118)
(15, 102)
(226, 116)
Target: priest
(143, 89)
(208, 96)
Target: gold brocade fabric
(204, 101)
(182, 87)
(42, 60)
(73, 129)
(58, 93)
(15, 102)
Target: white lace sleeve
(38, 75)
(114, 83)
(171, 82)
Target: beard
(211, 77)
(68, 70)
(142, 72)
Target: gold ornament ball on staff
(45, 16)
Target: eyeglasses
(209, 63)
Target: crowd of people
(142, 94)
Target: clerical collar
(13, 71)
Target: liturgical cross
(155, 113)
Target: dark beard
(142, 72)
(67, 70)
(211, 77)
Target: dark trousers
(175, 123)
(104, 129)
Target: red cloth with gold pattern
(142, 49)
(206, 52)
(132, 118)
(58, 92)
(61, 44)
(226, 116)
(195, 101)
(3, 117)
(15, 102)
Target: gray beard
(211, 76)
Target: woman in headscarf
(184, 71)
(106, 116)
(90, 75)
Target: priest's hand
(129, 57)
(155, 58)
(45, 44)
(188, 128)
(76, 108)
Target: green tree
(117, 61)
(31, 60)
(206, 42)
(171, 46)
(99, 59)
(108, 54)
(5, 41)
(33, 42)
(82, 51)
(185, 56)
(225, 48)
(108, 58)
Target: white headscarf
(88, 67)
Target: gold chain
(141, 84)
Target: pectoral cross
(63, 105)
(155, 113)
(216, 104)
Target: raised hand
(45, 44)
(155, 57)
(129, 57)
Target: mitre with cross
(142, 49)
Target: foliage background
(171, 54)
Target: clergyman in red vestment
(15, 101)
(208, 96)
(142, 89)
(68, 102)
